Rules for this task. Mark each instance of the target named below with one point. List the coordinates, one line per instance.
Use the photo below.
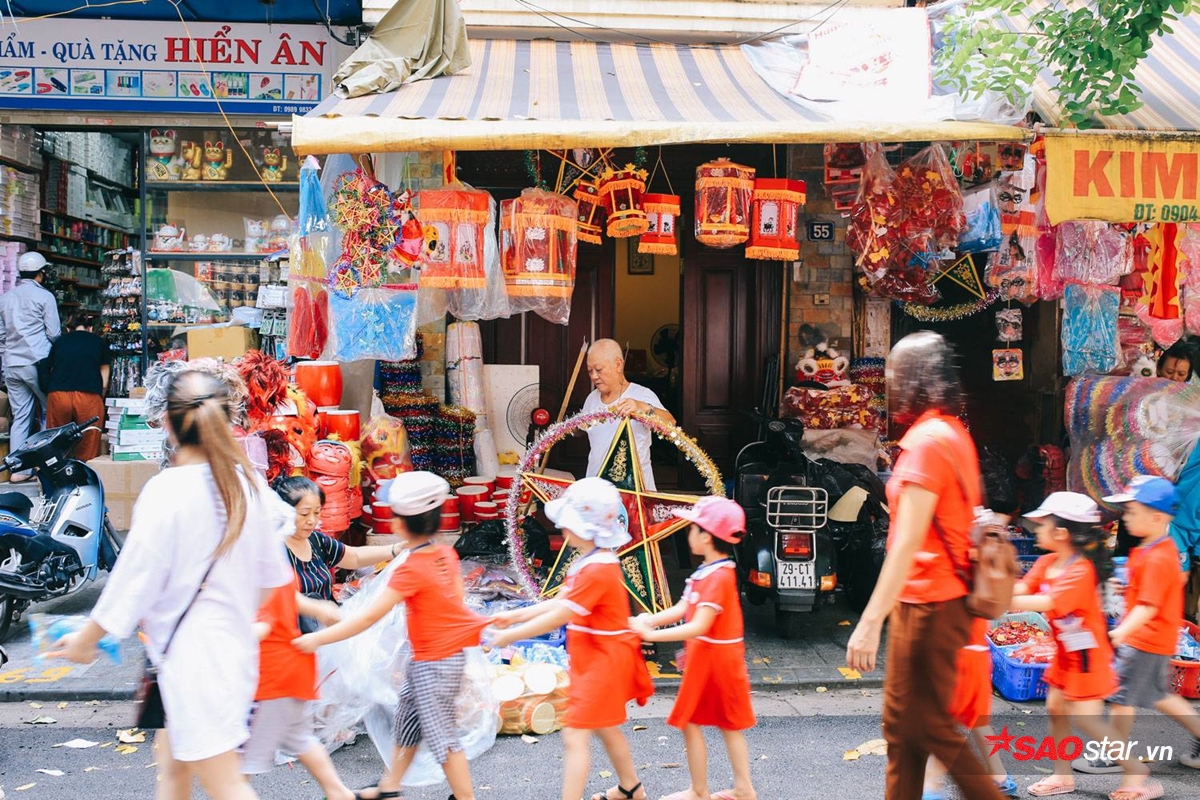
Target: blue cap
(1152, 492)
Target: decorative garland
(950, 313)
(582, 422)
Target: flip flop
(723, 795)
(682, 795)
(378, 794)
(1047, 787)
(1150, 790)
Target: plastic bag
(1089, 329)
(538, 248)
(929, 192)
(378, 324)
(874, 224)
(46, 629)
(1092, 252)
(491, 300)
(385, 448)
(982, 231)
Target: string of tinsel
(950, 313)
(582, 422)
(535, 174)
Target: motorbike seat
(17, 503)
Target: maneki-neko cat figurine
(164, 164)
(274, 165)
(217, 161)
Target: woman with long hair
(932, 494)
(202, 554)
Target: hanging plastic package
(1160, 307)
(361, 677)
(1092, 252)
(489, 301)
(1189, 245)
(538, 247)
(983, 221)
(308, 323)
(1089, 329)
(378, 324)
(1013, 269)
(1049, 287)
(930, 195)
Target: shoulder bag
(151, 714)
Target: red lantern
(723, 193)
(775, 232)
(662, 212)
(591, 212)
(621, 190)
(454, 220)
(538, 244)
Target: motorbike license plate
(797, 575)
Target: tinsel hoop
(575, 424)
(950, 313)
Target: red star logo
(1001, 741)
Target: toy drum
(451, 506)
(506, 477)
(381, 511)
(450, 522)
(468, 496)
(500, 497)
(323, 420)
(485, 510)
(343, 424)
(476, 480)
(321, 381)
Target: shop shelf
(52, 257)
(54, 235)
(161, 256)
(17, 238)
(10, 162)
(220, 186)
(61, 215)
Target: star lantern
(454, 219)
(538, 244)
(723, 194)
(621, 191)
(662, 214)
(591, 212)
(775, 215)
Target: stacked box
(19, 213)
(18, 143)
(122, 482)
(130, 437)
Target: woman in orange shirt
(1064, 585)
(607, 669)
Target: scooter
(55, 545)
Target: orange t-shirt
(1155, 580)
(934, 450)
(284, 671)
(439, 625)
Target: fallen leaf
(850, 674)
(639, 727)
(1044, 771)
(35, 705)
(772, 679)
(671, 765)
(62, 705)
(874, 747)
(26, 786)
(78, 744)
(844, 623)
(106, 744)
(131, 736)
(605, 774)
(850, 755)
(41, 721)
(92, 703)
(766, 660)
(527, 739)
(54, 773)
(126, 749)
(822, 689)
(91, 769)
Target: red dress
(607, 669)
(1083, 662)
(971, 704)
(716, 685)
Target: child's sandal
(379, 795)
(629, 793)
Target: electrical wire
(326, 20)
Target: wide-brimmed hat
(592, 509)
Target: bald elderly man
(606, 369)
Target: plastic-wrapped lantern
(454, 219)
(591, 212)
(621, 190)
(723, 194)
(662, 212)
(775, 215)
(538, 244)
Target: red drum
(475, 480)
(323, 420)
(506, 477)
(450, 522)
(451, 505)
(381, 511)
(382, 527)
(500, 497)
(321, 381)
(468, 496)
(485, 509)
(346, 425)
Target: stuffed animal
(820, 362)
(217, 161)
(1144, 367)
(164, 164)
(274, 165)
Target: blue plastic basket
(1024, 544)
(1025, 563)
(555, 638)
(1013, 679)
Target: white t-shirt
(210, 673)
(601, 436)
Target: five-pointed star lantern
(651, 520)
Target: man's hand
(863, 648)
(629, 406)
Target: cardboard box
(149, 436)
(227, 343)
(123, 481)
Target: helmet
(413, 493)
(31, 262)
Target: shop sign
(148, 66)
(1122, 179)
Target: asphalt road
(798, 751)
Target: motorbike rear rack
(797, 508)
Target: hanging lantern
(538, 244)
(662, 212)
(621, 190)
(723, 193)
(591, 212)
(775, 232)
(454, 219)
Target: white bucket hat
(592, 510)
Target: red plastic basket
(1185, 675)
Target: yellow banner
(1119, 179)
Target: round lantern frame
(580, 422)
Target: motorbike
(812, 526)
(52, 546)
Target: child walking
(716, 685)
(606, 669)
(1147, 635)
(440, 627)
(1063, 585)
(287, 681)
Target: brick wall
(827, 268)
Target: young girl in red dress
(606, 669)
(1063, 585)
(716, 686)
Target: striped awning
(521, 95)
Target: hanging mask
(1008, 365)
(1008, 325)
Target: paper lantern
(621, 191)
(775, 214)
(723, 194)
(662, 212)
(454, 220)
(538, 244)
(591, 212)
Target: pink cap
(719, 516)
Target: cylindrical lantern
(538, 244)
(621, 190)
(591, 212)
(662, 212)
(775, 232)
(454, 219)
(723, 193)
